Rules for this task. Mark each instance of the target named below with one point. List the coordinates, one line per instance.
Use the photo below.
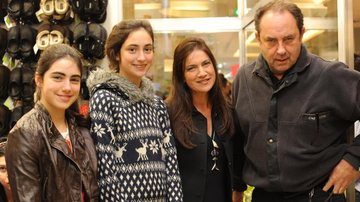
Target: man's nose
(281, 48)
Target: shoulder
(320, 62)
(28, 124)
(332, 68)
(106, 97)
(85, 133)
(245, 69)
(100, 94)
(159, 103)
(27, 135)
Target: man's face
(280, 41)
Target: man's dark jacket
(295, 133)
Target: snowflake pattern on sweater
(136, 154)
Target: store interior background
(227, 26)
(333, 31)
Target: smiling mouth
(65, 97)
(140, 66)
(204, 81)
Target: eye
(288, 39)
(132, 50)
(207, 63)
(148, 49)
(3, 169)
(75, 80)
(57, 78)
(190, 68)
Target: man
(294, 109)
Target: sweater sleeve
(102, 130)
(174, 189)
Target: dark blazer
(193, 162)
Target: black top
(215, 177)
(2, 194)
(195, 164)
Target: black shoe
(28, 85)
(5, 115)
(15, 84)
(3, 41)
(4, 82)
(14, 9)
(13, 39)
(27, 41)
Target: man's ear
(302, 33)
(257, 35)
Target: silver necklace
(214, 152)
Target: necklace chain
(214, 152)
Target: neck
(201, 101)
(58, 118)
(278, 76)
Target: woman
(203, 125)
(134, 142)
(50, 155)
(5, 191)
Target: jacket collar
(54, 136)
(103, 79)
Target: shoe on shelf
(13, 39)
(15, 84)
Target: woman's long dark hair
(180, 101)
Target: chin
(63, 106)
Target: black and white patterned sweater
(134, 142)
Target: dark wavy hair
(280, 6)
(180, 101)
(118, 36)
(47, 58)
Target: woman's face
(199, 72)
(4, 180)
(60, 85)
(136, 55)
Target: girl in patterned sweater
(135, 147)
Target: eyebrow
(286, 36)
(63, 74)
(137, 45)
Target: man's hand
(341, 177)
(237, 196)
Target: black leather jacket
(40, 166)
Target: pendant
(215, 167)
